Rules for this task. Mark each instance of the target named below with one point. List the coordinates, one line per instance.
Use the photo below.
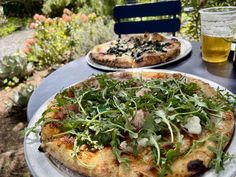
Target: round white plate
(185, 49)
(42, 165)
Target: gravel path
(13, 42)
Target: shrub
(103, 7)
(21, 8)
(12, 24)
(20, 98)
(59, 40)
(3, 19)
(91, 34)
(13, 69)
(54, 8)
(52, 42)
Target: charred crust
(152, 168)
(53, 124)
(196, 165)
(41, 149)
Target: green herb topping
(132, 114)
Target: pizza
(136, 51)
(139, 123)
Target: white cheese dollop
(193, 125)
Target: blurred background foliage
(61, 39)
(68, 29)
(103, 8)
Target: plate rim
(49, 168)
(184, 42)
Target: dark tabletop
(77, 70)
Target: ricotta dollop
(193, 125)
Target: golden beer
(215, 49)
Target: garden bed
(12, 161)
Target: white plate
(41, 165)
(185, 49)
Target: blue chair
(168, 10)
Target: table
(77, 70)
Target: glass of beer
(217, 29)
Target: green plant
(20, 99)
(21, 8)
(13, 69)
(104, 7)
(93, 33)
(54, 8)
(59, 40)
(12, 24)
(3, 19)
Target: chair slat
(148, 9)
(168, 25)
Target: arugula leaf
(162, 114)
(220, 156)
(115, 143)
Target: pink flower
(66, 18)
(84, 18)
(42, 18)
(26, 50)
(33, 25)
(36, 17)
(27, 43)
(31, 41)
(49, 21)
(67, 12)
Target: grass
(13, 24)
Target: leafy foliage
(220, 156)
(55, 8)
(103, 7)
(20, 99)
(3, 19)
(14, 68)
(12, 24)
(21, 8)
(93, 33)
(7, 26)
(59, 40)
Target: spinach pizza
(132, 124)
(136, 51)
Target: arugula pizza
(132, 124)
(136, 51)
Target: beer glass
(217, 29)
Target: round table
(77, 70)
